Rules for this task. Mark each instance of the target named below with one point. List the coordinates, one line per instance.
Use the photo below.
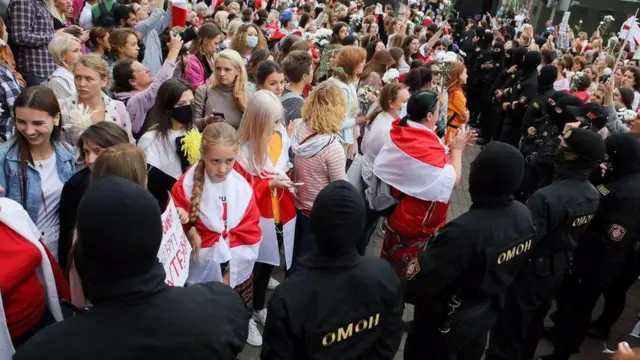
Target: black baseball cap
(589, 111)
(585, 143)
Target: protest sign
(175, 250)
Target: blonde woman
(264, 161)
(227, 94)
(65, 51)
(247, 40)
(319, 158)
(219, 214)
(351, 61)
(89, 105)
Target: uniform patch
(545, 134)
(536, 105)
(617, 232)
(413, 268)
(603, 190)
(566, 134)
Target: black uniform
(342, 306)
(493, 68)
(540, 104)
(521, 96)
(458, 283)
(562, 212)
(607, 248)
(501, 91)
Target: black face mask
(182, 114)
(564, 155)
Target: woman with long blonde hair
(319, 158)
(264, 161)
(247, 40)
(349, 64)
(227, 93)
(218, 212)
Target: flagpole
(624, 44)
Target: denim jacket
(11, 180)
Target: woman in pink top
(319, 159)
(199, 66)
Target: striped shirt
(317, 171)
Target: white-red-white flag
(630, 31)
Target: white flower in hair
(80, 118)
(390, 75)
(609, 18)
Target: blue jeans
(32, 79)
(304, 243)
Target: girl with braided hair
(220, 216)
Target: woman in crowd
(90, 105)
(581, 83)
(393, 98)
(135, 86)
(340, 31)
(247, 40)
(373, 47)
(437, 86)
(65, 51)
(631, 79)
(256, 59)
(375, 68)
(264, 161)
(6, 54)
(285, 46)
(421, 209)
(99, 43)
(401, 64)
(410, 46)
(35, 164)
(457, 111)
(270, 76)
(203, 48)
(219, 213)
(394, 27)
(592, 74)
(561, 83)
(579, 63)
(123, 160)
(618, 75)
(351, 60)
(623, 98)
(418, 79)
(170, 119)
(31, 281)
(124, 44)
(319, 158)
(227, 93)
(92, 143)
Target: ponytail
(194, 211)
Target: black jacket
(562, 211)
(521, 95)
(340, 308)
(70, 197)
(614, 232)
(474, 258)
(143, 318)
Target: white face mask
(252, 41)
(403, 110)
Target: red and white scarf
(415, 162)
(228, 225)
(269, 252)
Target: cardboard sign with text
(175, 250)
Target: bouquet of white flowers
(446, 61)
(391, 75)
(626, 116)
(367, 95)
(322, 36)
(605, 24)
(80, 118)
(578, 80)
(354, 21)
(447, 8)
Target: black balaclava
(624, 154)
(551, 109)
(487, 40)
(498, 52)
(508, 58)
(337, 219)
(119, 232)
(531, 62)
(563, 118)
(584, 149)
(496, 173)
(480, 31)
(518, 56)
(548, 75)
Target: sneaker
(273, 283)
(260, 316)
(254, 338)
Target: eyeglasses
(436, 73)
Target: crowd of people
(291, 134)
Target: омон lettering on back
(350, 330)
(511, 253)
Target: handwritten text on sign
(175, 250)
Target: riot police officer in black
(458, 282)
(521, 96)
(562, 212)
(607, 249)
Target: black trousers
(371, 220)
(519, 326)
(465, 340)
(261, 275)
(615, 296)
(572, 319)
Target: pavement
(460, 203)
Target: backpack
(106, 18)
